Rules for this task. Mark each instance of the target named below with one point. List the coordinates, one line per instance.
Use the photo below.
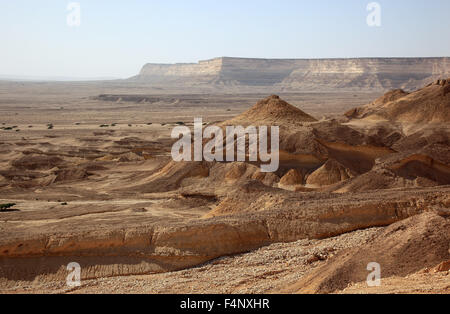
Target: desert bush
(6, 207)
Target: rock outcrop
(259, 216)
(301, 74)
(430, 104)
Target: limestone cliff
(301, 74)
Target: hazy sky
(115, 38)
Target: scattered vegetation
(50, 126)
(180, 123)
(9, 128)
(104, 126)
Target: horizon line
(260, 58)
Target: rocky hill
(301, 74)
(271, 111)
(428, 104)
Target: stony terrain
(267, 270)
(93, 182)
(402, 249)
(259, 271)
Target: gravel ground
(261, 271)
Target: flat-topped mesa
(302, 74)
(207, 67)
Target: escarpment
(300, 74)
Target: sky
(115, 38)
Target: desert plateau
(363, 177)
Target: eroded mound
(172, 175)
(292, 177)
(305, 146)
(71, 174)
(271, 111)
(241, 171)
(36, 162)
(390, 96)
(430, 104)
(330, 173)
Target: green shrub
(6, 207)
